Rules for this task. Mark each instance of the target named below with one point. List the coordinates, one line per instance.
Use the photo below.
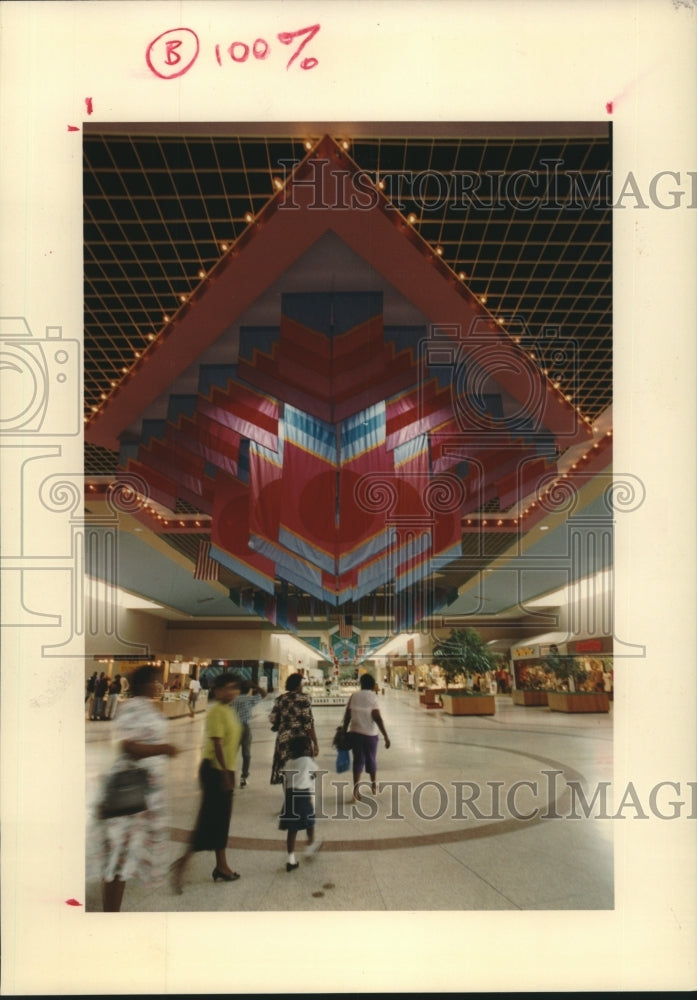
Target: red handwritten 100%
(173, 53)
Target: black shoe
(290, 867)
(219, 876)
(243, 783)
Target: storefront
(176, 674)
(592, 665)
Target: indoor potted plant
(569, 672)
(464, 655)
(534, 684)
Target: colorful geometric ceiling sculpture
(337, 453)
(330, 457)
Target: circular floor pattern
(552, 807)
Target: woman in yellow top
(217, 778)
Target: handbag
(343, 761)
(124, 793)
(342, 739)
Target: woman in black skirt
(217, 779)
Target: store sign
(523, 652)
(589, 646)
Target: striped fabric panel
(310, 433)
(363, 432)
(206, 567)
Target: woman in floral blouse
(291, 716)
(138, 844)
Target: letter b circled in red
(172, 53)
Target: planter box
(431, 698)
(469, 704)
(529, 697)
(578, 701)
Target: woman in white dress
(137, 845)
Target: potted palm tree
(569, 673)
(464, 655)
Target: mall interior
(348, 397)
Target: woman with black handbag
(365, 721)
(136, 842)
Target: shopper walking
(100, 689)
(217, 779)
(364, 721)
(194, 691)
(113, 698)
(299, 777)
(89, 695)
(250, 696)
(291, 716)
(136, 845)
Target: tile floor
(491, 818)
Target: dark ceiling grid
(507, 294)
(552, 238)
(439, 239)
(246, 176)
(120, 294)
(135, 309)
(502, 246)
(458, 237)
(271, 171)
(482, 275)
(105, 244)
(225, 195)
(191, 202)
(525, 263)
(479, 275)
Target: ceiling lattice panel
(160, 210)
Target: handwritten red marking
(73, 128)
(173, 53)
(73, 902)
(608, 107)
(243, 52)
(261, 48)
(88, 104)
(239, 51)
(286, 38)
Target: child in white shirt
(299, 773)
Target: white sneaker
(313, 848)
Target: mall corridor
(471, 813)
